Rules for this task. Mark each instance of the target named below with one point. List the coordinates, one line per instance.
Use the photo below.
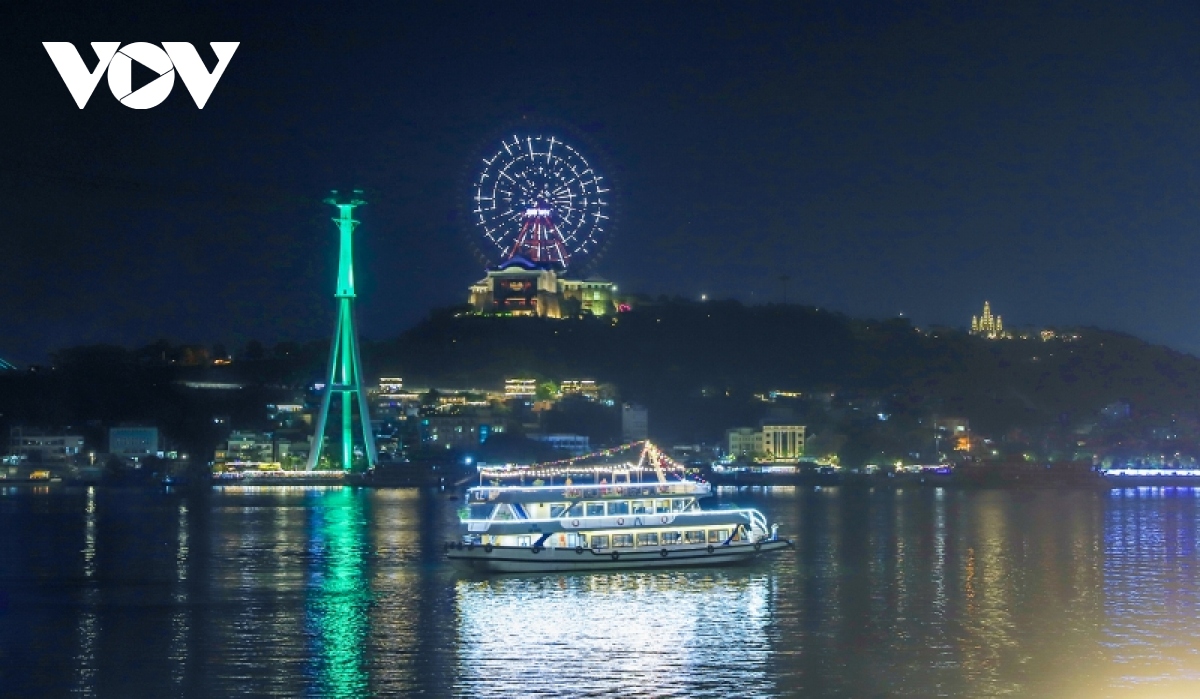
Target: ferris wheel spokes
(538, 197)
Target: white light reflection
(180, 624)
(672, 633)
(1150, 593)
(88, 628)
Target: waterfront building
(783, 442)
(953, 434)
(744, 442)
(635, 422)
(133, 442)
(987, 325)
(521, 287)
(44, 446)
(246, 448)
(771, 441)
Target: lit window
(717, 536)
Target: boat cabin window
(679, 505)
(557, 509)
(595, 509)
(576, 510)
(480, 511)
(524, 541)
(694, 537)
(647, 539)
(642, 507)
(717, 536)
(600, 541)
(618, 508)
(622, 540)
(576, 540)
(661, 506)
(669, 538)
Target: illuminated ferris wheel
(539, 198)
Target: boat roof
(587, 491)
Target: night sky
(888, 159)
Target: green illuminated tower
(345, 363)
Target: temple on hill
(521, 287)
(987, 325)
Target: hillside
(871, 389)
(696, 364)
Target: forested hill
(672, 353)
(697, 367)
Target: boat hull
(523, 559)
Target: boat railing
(758, 522)
(631, 521)
(601, 491)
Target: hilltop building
(521, 287)
(520, 388)
(987, 325)
(635, 422)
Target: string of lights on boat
(650, 459)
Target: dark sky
(888, 158)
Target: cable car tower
(345, 363)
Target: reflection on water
(1152, 600)
(341, 592)
(85, 657)
(339, 598)
(629, 634)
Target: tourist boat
(569, 515)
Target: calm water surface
(341, 593)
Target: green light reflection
(341, 604)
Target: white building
(744, 442)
